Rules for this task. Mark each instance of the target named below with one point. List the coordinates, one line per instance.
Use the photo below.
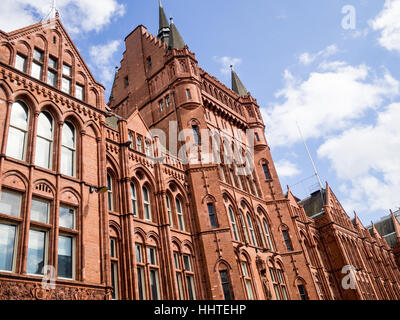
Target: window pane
(226, 285)
(7, 241)
(19, 116)
(10, 203)
(179, 283)
(36, 252)
(151, 252)
(16, 143)
(140, 276)
(114, 280)
(187, 262)
(79, 92)
(113, 252)
(68, 138)
(67, 163)
(20, 63)
(211, 214)
(190, 287)
(65, 257)
(66, 85)
(139, 257)
(52, 78)
(154, 285)
(53, 63)
(43, 153)
(40, 211)
(67, 218)
(38, 55)
(37, 70)
(45, 126)
(67, 70)
(249, 290)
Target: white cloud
(285, 168)
(77, 15)
(101, 59)
(327, 102)
(308, 58)
(367, 159)
(226, 63)
(388, 23)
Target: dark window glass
(7, 236)
(287, 240)
(266, 172)
(226, 287)
(65, 257)
(196, 134)
(302, 292)
(211, 213)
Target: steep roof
(175, 38)
(237, 85)
(163, 21)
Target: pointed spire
(357, 221)
(396, 225)
(375, 232)
(175, 38)
(113, 85)
(164, 28)
(237, 85)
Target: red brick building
(173, 222)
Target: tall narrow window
(7, 246)
(244, 227)
(110, 187)
(52, 72)
(66, 80)
(286, 238)
(37, 64)
(211, 214)
(168, 101)
(247, 280)
(114, 268)
(140, 272)
(179, 213)
(226, 285)
(233, 223)
(17, 134)
(146, 204)
(169, 209)
(179, 280)
(154, 273)
(44, 141)
(187, 261)
(196, 134)
(65, 257)
(302, 292)
(268, 235)
(266, 171)
(139, 144)
(260, 231)
(80, 92)
(20, 62)
(252, 233)
(188, 94)
(161, 105)
(36, 252)
(147, 145)
(68, 150)
(134, 199)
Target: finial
(172, 20)
(231, 67)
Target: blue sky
(301, 63)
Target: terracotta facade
(164, 228)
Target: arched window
(139, 144)
(233, 223)
(110, 186)
(179, 213)
(211, 214)
(252, 233)
(146, 203)
(44, 141)
(279, 283)
(17, 134)
(68, 149)
(261, 233)
(244, 227)
(268, 235)
(169, 209)
(286, 238)
(247, 279)
(134, 199)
